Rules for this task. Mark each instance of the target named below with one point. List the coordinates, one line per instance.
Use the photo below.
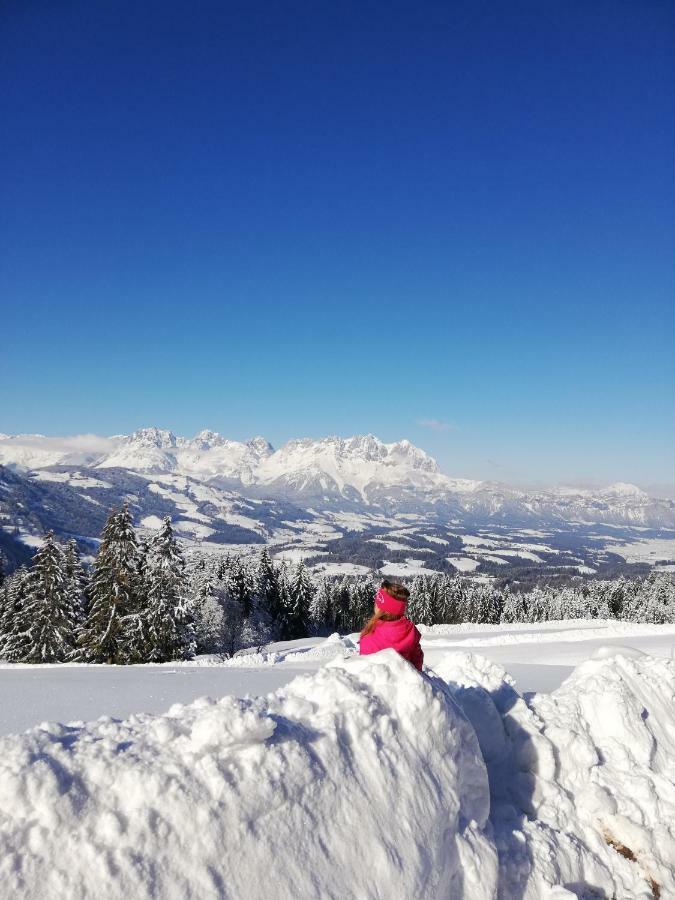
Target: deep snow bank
(582, 780)
(360, 781)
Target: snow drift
(582, 780)
(363, 780)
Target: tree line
(453, 600)
(145, 601)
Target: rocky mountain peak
(152, 438)
(205, 439)
(260, 446)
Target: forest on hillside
(147, 601)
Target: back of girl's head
(399, 592)
(396, 589)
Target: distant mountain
(355, 474)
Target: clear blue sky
(308, 219)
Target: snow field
(649, 550)
(463, 563)
(361, 780)
(539, 656)
(410, 567)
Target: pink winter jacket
(401, 635)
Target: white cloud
(435, 424)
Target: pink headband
(389, 604)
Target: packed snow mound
(327, 649)
(363, 780)
(582, 780)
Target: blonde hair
(397, 590)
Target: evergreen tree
(451, 600)
(167, 622)
(268, 593)
(284, 619)
(76, 581)
(617, 595)
(320, 608)
(595, 601)
(240, 586)
(342, 605)
(14, 622)
(423, 599)
(112, 622)
(208, 611)
(361, 596)
(537, 605)
(512, 608)
(564, 604)
(233, 635)
(49, 611)
(301, 596)
(657, 600)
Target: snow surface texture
(539, 656)
(582, 780)
(362, 780)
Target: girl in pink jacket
(388, 627)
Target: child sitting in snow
(388, 627)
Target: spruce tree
(106, 636)
(236, 631)
(284, 620)
(450, 602)
(512, 610)
(301, 595)
(76, 581)
(320, 608)
(167, 621)
(136, 641)
(422, 596)
(341, 605)
(51, 617)
(657, 599)
(240, 586)
(361, 597)
(13, 621)
(208, 611)
(268, 593)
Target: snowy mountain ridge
(356, 472)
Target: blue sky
(308, 219)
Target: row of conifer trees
(129, 607)
(148, 602)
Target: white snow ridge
(362, 781)
(358, 781)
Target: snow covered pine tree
(110, 631)
(167, 621)
(46, 627)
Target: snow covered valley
(345, 506)
(531, 761)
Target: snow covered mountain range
(356, 473)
